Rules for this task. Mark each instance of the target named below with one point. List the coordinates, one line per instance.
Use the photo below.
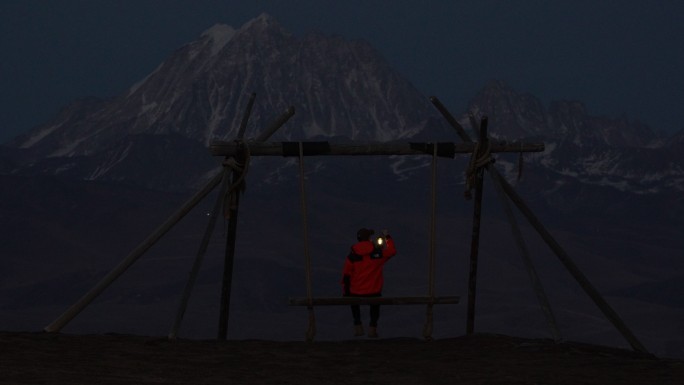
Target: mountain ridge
(340, 89)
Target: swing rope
(311, 330)
(427, 330)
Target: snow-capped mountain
(626, 155)
(339, 88)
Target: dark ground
(40, 358)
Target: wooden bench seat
(336, 301)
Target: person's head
(364, 234)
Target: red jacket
(362, 273)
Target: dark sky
(619, 57)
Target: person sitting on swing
(362, 275)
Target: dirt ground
(41, 358)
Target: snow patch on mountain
(220, 35)
(403, 166)
(38, 135)
(510, 170)
(600, 164)
(262, 21)
(145, 108)
(67, 149)
(282, 172)
(137, 85)
(64, 168)
(621, 185)
(113, 161)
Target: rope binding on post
(238, 186)
(480, 158)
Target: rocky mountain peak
(219, 35)
(517, 115)
(263, 22)
(263, 31)
(512, 115)
(339, 88)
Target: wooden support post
(610, 314)
(450, 119)
(200, 256)
(433, 225)
(311, 330)
(475, 240)
(525, 254)
(276, 124)
(234, 204)
(427, 329)
(82, 303)
(224, 309)
(239, 153)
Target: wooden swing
(239, 149)
(431, 299)
(237, 154)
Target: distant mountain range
(81, 190)
(340, 90)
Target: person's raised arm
(389, 250)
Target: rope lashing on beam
(480, 158)
(239, 173)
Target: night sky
(619, 57)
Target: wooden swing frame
(237, 154)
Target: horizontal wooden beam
(336, 301)
(444, 149)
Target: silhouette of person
(362, 274)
